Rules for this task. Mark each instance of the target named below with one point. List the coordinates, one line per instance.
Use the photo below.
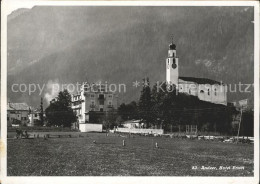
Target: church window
(201, 91)
(215, 92)
(208, 92)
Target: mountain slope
(122, 44)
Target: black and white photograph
(136, 89)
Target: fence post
(123, 142)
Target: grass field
(79, 156)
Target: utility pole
(179, 129)
(243, 104)
(107, 124)
(241, 112)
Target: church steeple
(172, 46)
(172, 67)
(172, 50)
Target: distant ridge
(125, 44)
(16, 13)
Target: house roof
(18, 106)
(200, 80)
(10, 108)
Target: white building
(133, 124)
(35, 116)
(205, 89)
(92, 104)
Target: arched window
(208, 92)
(215, 91)
(201, 91)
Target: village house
(133, 124)
(17, 114)
(34, 117)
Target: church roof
(200, 80)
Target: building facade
(17, 114)
(93, 101)
(205, 89)
(35, 117)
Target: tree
(174, 109)
(128, 111)
(144, 106)
(111, 119)
(122, 111)
(41, 114)
(247, 124)
(59, 112)
(157, 102)
(64, 98)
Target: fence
(41, 129)
(140, 131)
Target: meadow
(96, 154)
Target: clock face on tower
(174, 65)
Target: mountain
(17, 13)
(65, 45)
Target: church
(205, 89)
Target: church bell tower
(172, 66)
